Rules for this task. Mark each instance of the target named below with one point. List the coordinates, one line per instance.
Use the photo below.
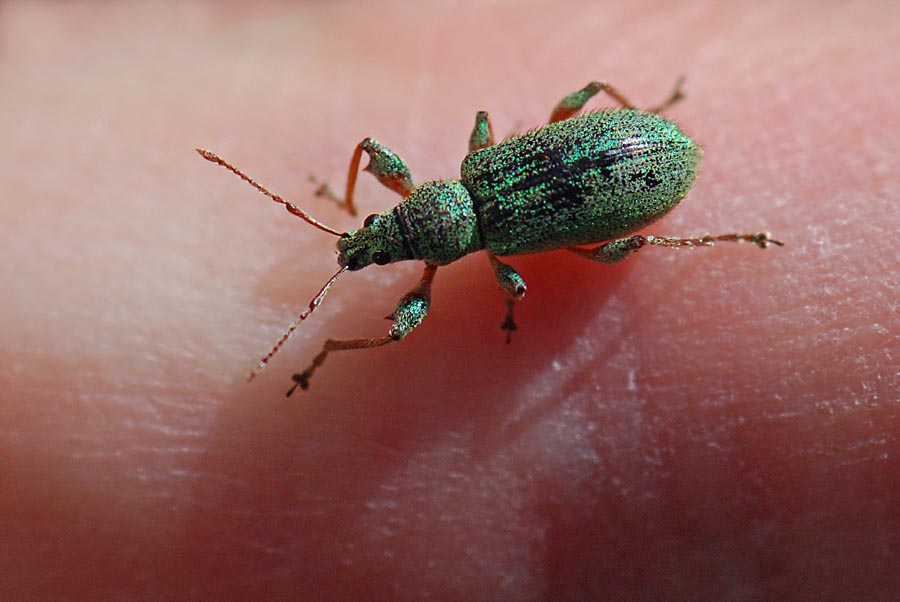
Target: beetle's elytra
(589, 178)
(580, 180)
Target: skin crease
(715, 424)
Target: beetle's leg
(676, 95)
(482, 134)
(384, 164)
(613, 251)
(324, 191)
(619, 249)
(513, 288)
(410, 312)
(574, 102)
(760, 239)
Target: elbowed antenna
(293, 326)
(293, 209)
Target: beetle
(582, 179)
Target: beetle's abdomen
(580, 181)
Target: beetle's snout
(353, 250)
(356, 261)
(348, 259)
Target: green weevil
(580, 180)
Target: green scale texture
(439, 222)
(583, 180)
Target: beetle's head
(379, 241)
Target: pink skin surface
(710, 424)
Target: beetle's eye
(370, 220)
(381, 258)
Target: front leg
(384, 164)
(410, 312)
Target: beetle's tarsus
(324, 190)
(301, 380)
(509, 324)
(677, 95)
(764, 239)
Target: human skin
(708, 424)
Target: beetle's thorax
(439, 222)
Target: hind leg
(574, 102)
(619, 249)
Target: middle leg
(513, 288)
(482, 134)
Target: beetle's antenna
(287, 205)
(293, 325)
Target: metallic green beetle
(580, 180)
